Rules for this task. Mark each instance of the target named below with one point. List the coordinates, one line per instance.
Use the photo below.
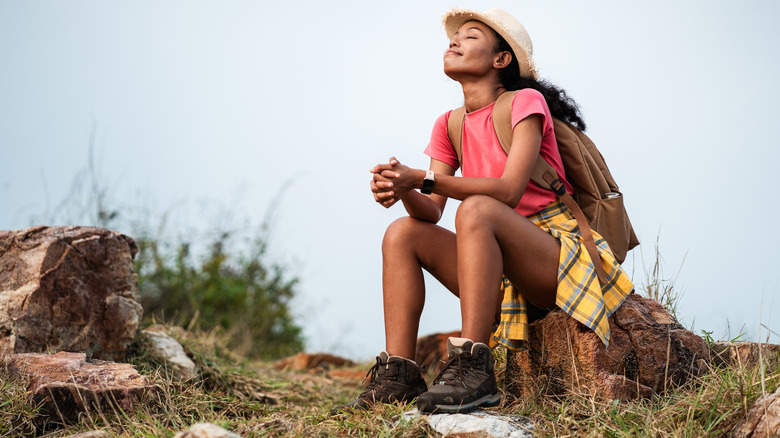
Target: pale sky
(206, 111)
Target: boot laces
(456, 369)
(374, 377)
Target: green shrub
(233, 290)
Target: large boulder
(65, 385)
(648, 350)
(68, 289)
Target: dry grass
(235, 393)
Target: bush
(235, 291)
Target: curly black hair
(561, 105)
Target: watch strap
(427, 185)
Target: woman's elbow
(512, 198)
(511, 191)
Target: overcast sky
(207, 111)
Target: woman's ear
(502, 59)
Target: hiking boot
(392, 379)
(466, 382)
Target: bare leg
(409, 246)
(494, 240)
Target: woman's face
(471, 52)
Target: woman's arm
(509, 188)
(428, 207)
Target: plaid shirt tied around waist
(579, 294)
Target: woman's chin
(451, 72)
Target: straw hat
(506, 26)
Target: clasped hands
(392, 181)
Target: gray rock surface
(68, 289)
(90, 434)
(167, 350)
(206, 430)
(476, 424)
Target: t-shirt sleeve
(440, 147)
(527, 102)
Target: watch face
(427, 187)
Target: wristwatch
(427, 186)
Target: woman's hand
(392, 181)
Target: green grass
(234, 394)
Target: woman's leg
(409, 246)
(494, 240)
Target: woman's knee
(475, 211)
(401, 233)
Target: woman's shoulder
(528, 94)
(443, 119)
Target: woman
(514, 241)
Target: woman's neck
(480, 94)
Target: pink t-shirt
(482, 152)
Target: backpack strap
(455, 131)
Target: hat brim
(455, 17)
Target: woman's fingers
(381, 184)
(389, 174)
(379, 168)
(381, 191)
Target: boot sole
(427, 405)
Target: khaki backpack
(597, 202)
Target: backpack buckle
(558, 187)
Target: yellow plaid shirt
(579, 292)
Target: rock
(648, 349)
(348, 374)
(476, 424)
(762, 420)
(432, 350)
(167, 350)
(68, 289)
(90, 434)
(744, 354)
(65, 384)
(310, 361)
(205, 430)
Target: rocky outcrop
(762, 420)
(68, 289)
(648, 350)
(432, 350)
(311, 361)
(66, 384)
(745, 354)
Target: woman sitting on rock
(516, 246)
